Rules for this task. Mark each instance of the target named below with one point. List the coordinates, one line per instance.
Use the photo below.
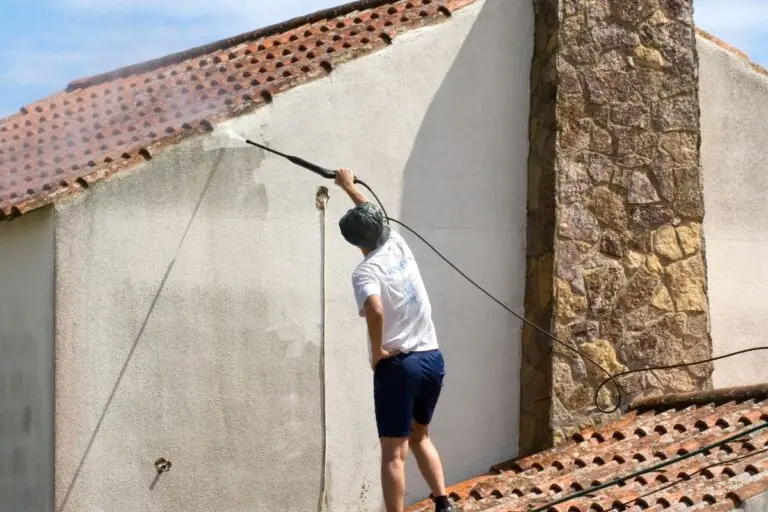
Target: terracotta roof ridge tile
(732, 49)
(699, 398)
(246, 37)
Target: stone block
(609, 36)
(687, 284)
(665, 243)
(689, 196)
(678, 113)
(611, 244)
(649, 57)
(661, 300)
(650, 216)
(653, 264)
(662, 167)
(600, 167)
(680, 10)
(609, 208)
(574, 182)
(640, 289)
(641, 190)
(603, 286)
(682, 147)
(634, 11)
(578, 223)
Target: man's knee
(419, 434)
(394, 449)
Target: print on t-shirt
(391, 273)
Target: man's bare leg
(394, 451)
(428, 459)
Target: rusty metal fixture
(162, 465)
(321, 198)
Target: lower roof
(699, 451)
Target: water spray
(228, 138)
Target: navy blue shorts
(406, 388)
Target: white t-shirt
(391, 273)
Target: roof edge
(223, 44)
(733, 50)
(74, 185)
(715, 396)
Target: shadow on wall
(465, 191)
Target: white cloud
(31, 67)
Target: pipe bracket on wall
(321, 203)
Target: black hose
(619, 389)
(673, 366)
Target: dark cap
(365, 226)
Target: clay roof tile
(671, 429)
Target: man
(407, 363)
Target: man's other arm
(374, 317)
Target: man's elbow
(374, 308)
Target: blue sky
(45, 44)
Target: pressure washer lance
(322, 171)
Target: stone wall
(536, 367)
(616, 263)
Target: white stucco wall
(465, 189)
(26, 363)
(734, 120)
(756, 504)
(225, 381)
